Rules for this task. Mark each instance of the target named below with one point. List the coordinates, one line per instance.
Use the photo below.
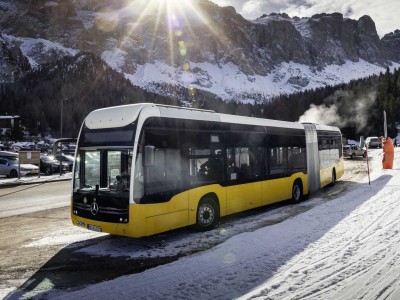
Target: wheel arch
(212, 196)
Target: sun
(181, 19)
(172, 2)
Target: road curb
(14, 184)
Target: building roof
(8, 117)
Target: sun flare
(171, 24)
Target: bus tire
(207, 214)
(297, 191)
(333, 177)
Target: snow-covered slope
(229, 82)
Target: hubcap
(206, 214)
(296, 192)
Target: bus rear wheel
(297, 191)
(207, 214)
(333, 177)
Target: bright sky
(385, 13)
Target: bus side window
(278, 160)
(206, 165)
(239, 167)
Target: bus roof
(123, 115)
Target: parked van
(373, 142)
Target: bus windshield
(104, 159)
(103, 169)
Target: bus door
(276, 187)
(244, 168)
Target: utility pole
(61, 118)
(384, 125)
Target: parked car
(373, 142)
(7, 154)
(9, 167)
(353, 151)
(66, 158)
(50, 165)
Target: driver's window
(92, 168)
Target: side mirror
(149, 154)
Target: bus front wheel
(297, 191)
(207, 214)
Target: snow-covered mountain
(164, 47)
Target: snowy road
(36, 197)
(346, 248)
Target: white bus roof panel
(326, 128)
(116, 116)
(187, 113)
(259, 122)
(119, 116)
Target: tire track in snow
(380, 229)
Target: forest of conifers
(85, 82)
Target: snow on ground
(5, 181)
(345, 248)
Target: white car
(353, 151)
(9, 167)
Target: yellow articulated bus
(142, 169)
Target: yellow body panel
(326, 174)
(181, 210)
(280, 189)
(243, 197)
(339, 169)
(275, 190)
(147, 219)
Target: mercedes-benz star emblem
(94, 208)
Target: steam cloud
(344, 109)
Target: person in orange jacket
(388, 154)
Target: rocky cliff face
(321, 40)
(13, 64)
(391, 43)
(200, 45)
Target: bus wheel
(333, 177)
(207, 214)
(297, 191)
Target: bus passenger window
(238, 163)
(278, 160)
(206, 165)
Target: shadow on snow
(108, 257)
